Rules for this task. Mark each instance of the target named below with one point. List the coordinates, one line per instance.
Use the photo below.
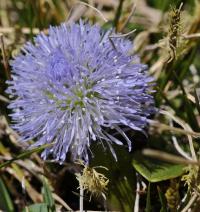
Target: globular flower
(75, 84)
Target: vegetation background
(162, 171)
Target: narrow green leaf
(197, 98)
(162, 200)
(118, 13)
(6, 203)
(39, 207)
(155, 170)
(25, 154)
(148, 201)
(189, 109)
(47, 195)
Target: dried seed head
(92, 181)
(172, 194)
(174, 31)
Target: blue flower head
(73, 85)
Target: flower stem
(81, 199)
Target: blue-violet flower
(75, 84)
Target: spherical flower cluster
(73, 85)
